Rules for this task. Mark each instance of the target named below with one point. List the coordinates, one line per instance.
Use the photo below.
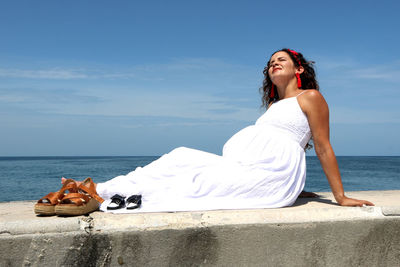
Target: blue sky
(144, 77)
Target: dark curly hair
(308, 79)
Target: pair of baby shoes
(119, 202)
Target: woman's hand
(352, 202)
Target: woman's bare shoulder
(311, 99)
(311, 94)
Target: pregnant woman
(262, 166)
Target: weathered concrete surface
(314, 232)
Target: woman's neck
(288, 90)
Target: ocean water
(30, 178)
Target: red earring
(272, 92)
(298, 80)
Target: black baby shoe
(133, 202)
(117, 202)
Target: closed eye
(271, 63)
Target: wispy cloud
(176, 68)
(351, 115)
(388, 73)
(351, 69)
(196, 88)
(185, 106)
(57, 74)
(193, 88)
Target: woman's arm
(316, 109)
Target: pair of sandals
(79, 200)
(119, 202)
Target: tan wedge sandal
(46, 205)
(84, 201)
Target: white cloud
(189, 105)
(151, 123)
(162, 71)
(358, 116)
(58, 74)
(196, 88)
(12, 99)
(389, 73)
(351, 69)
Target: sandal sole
(47, 210)
(74, 210)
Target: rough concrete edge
(34, 226)
(99, 221)
(236, 225)
(391, 210)
(183, 220)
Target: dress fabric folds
(262, 166)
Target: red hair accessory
(293, 52)
(295, 55)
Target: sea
(30, 178)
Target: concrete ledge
(314, 232)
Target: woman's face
(281, 65)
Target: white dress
(262, 166)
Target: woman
(262, 166)
(288, 70)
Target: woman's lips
(275, 69)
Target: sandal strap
(52, 198)
(76, 198)
(69, 186)
(55, 197)
(90, 190)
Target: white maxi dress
(262, 166)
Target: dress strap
(301, 93)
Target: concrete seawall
(314, 232)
